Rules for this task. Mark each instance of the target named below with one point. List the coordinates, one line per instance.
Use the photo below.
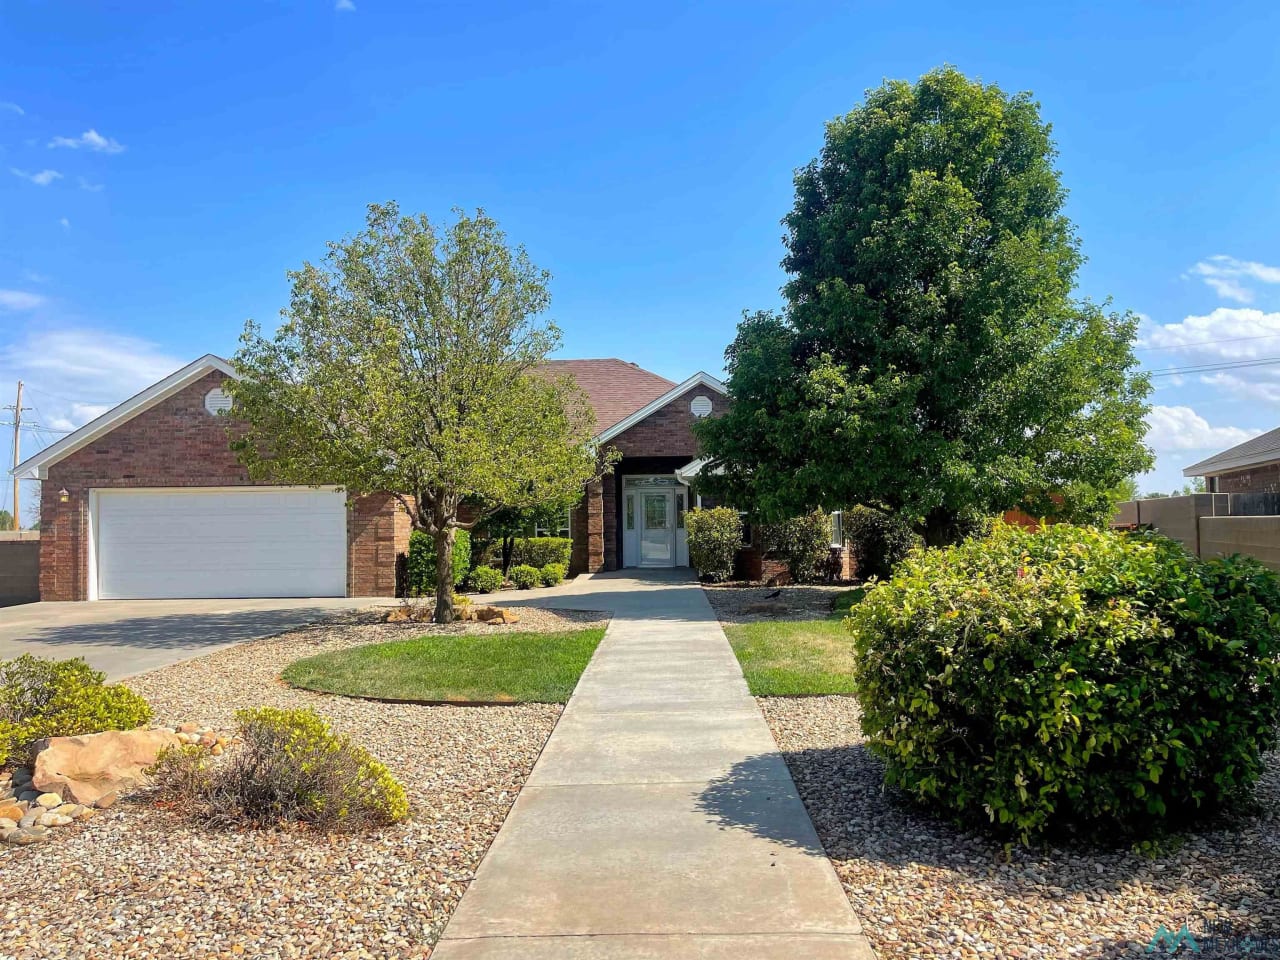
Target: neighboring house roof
(1263, 448)
(37, 465)
(615, 388)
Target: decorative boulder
(84, 769)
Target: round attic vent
(700, 407)
(217, 401)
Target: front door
(657, 524)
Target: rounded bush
(524, 576)
(715, 537)
(485, 579)
(1070, 677)
(803, 543)
(60, 698)
(420, 565)
(877, 541)
(551, 574)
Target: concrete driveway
(124, 637)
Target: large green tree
(408, 362)
(932, 358)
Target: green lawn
(788, 658)
(455, 668)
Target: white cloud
(92, 140)
(35, 277)
(1226, 275)
(76, 375)
(1228, 333)
(64, 223)
(41, 179)
(86, 185)
(344, 6)
(1181, 428)
(20, 300)
(9, 107)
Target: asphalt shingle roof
(615, 388)
(1263, 448)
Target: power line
(1207, 343)
(1212, 367)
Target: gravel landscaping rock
(923, 888)
(140, 881)
(736, 603)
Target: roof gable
(699, 379)
(37, 465)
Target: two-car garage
(210, 542)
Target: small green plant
(878, 541)
(1070, 677)
(524, 576)
(551, 574)
(420, 568)
(290, 767)
(485, 579)
(60, 698)
(715, 537)
(803, 543)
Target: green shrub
(420, 569)
(485, 579)
(878, 541)
(289, 768)
(524, 576)
(715, 536)
(551, 574)
(540, 551)
(60, 698)
(802, 543)
(1070, 677)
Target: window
(631, 511)
(837, 529)
(679, 511)
(655, 512)
(561, 529)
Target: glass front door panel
(656, 546)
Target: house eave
(37, 467)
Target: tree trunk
(444, 573)
(508, 548)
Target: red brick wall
(177, 443)
(1261, 479)
(587, 531)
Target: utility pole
(17, 435)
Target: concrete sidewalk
(660, 820)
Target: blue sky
(161, 170)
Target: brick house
(148, 499)
(1249, 467)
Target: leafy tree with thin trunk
(408, 361)
(932, 359)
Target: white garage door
(228, 542)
